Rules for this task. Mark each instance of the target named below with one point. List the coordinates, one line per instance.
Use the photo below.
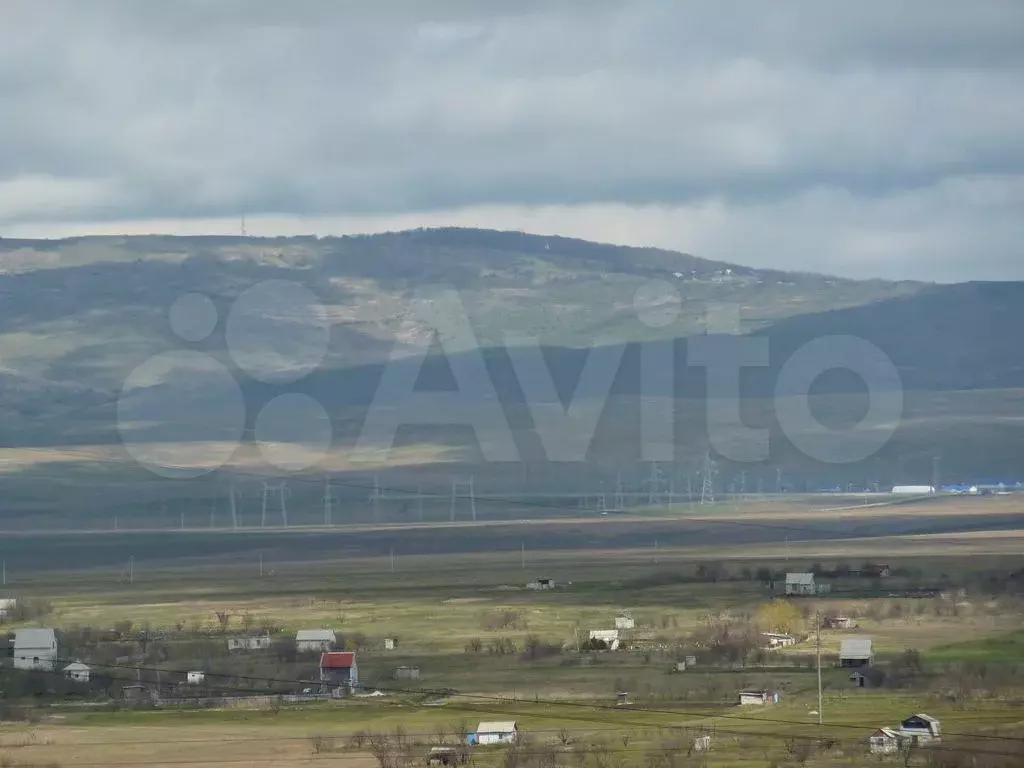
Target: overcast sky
(864, 139)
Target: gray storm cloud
(882, 141)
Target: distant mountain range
(78, 315)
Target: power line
(448, 693)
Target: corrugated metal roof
(799, 578)
(855, 648)
(315, 634)
(337, 660)
(496, 726)
(34, 638)
(76, 666)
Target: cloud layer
(810, 136)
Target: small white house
(800, 584)
(778, 640)
(390, 643)
(76, 672)
(755, 697)
(702, 743)
(314, 640)
(920, 729)
(609, 637)
(498, 732)
(35, 649)
(249, 643)
(195, 678)
(884, 741)
(540, 584)
(624, 622)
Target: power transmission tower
(655, 486)
(282, 492)
(376, 496)
(328, 501)
(234, 506)
(707, 490)
(467, 486)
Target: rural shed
(920, 729)
(309, 640)
(625, 621)
(495, 732)
(884, 741)
(610, 637)
(76, 672)
(406, 673)
(856, 652)
(800, 584)
(757, 697)
(778, 640)
(249, 643)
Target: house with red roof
(339, 670)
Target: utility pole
(817, 632)
(131, 569)
(778, 479)
(936, 472)
(328, 501)
(261, 565)
(392, 559)
(5, 573)
(707, 491)
(181, 520)
(376, 497)
(419, 501)
(522, 556)
(655, 551)
(234, 507)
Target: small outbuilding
(856, 652)
(839, 622)
(495, 732)
(390, 643)
(195, 678)
(610, 637)
(778, 640)
(625, 621)
(541, 584)
(249, 643)
(315, 640)
(920, 729)
(406, 673)
(76, 672)
(800, 584)
(884, 741)
(760, 698)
